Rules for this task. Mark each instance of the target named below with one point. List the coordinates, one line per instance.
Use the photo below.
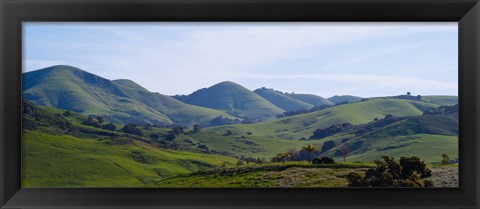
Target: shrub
(323, 160)
(154, 136)
(132, 129)
(409, 172)
(91, 122)
(109, 126)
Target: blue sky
(364, 59)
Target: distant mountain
(311, 99)
(344, 98)
(120, 101)
(233, 99)
(282, 100)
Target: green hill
(344, 98)
(303, 125)
(441, 100)
(120, 101)
(234, 99)
(282, 100)
(60, 152)
(311, 99)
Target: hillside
(441, 100)
(344, 98)
(298, 126)
(119, 101)
(311, 99)
(233, 99)
(282, 100)
(59, 152)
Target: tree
(91, 122)
(408, 93)
(344, 152)
(109, 126)
(196, 128)
(409, 172)
(323, 160)
(154, 136)
(132, 129)
(309, 148)
(446, 159)
(240, 163)
(283, 156)
(99, 119)
(228, 133)
(67, 113)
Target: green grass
(441, 100)
(282, 100)
(233, 99)
(66, 161)
(291, 174)
(311, 99)
(427, 147)
(298, 126)
(70, 88)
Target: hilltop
(120, 101)
(234, 99)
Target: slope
(311, 99)
(344, 98)
(234, 99)
(59, 152)
(281, 100)
(441, 100)
(302, 126)
(73, 89)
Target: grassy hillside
(303, 125)
(441, 100)
(234, 99)
(52, 160)
(311, 99)
(344, 98)
(282, 100)
(122, 101)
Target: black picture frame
(14, 12)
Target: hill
(441, 100)
(282, 100)
(59, 152)
(234, 99)
(120, 101)
(311, 99)
(303, 125)
(344, 98)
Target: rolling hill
(344, 98)
(234, 99)
(282, 100)
(60, 152)
(120, 101)
(424, 136)
(302, 126)
(441, 100)
(311, 99)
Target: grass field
(66, 161)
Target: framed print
(255, 104)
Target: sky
(326, 59)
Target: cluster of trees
(333, 129)
(408, 172)
(95, 122)
(443, 110)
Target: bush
(91, 122)
(132, 129)
(323, 160)
(154, 136)
(109, 126)
(409, 172)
